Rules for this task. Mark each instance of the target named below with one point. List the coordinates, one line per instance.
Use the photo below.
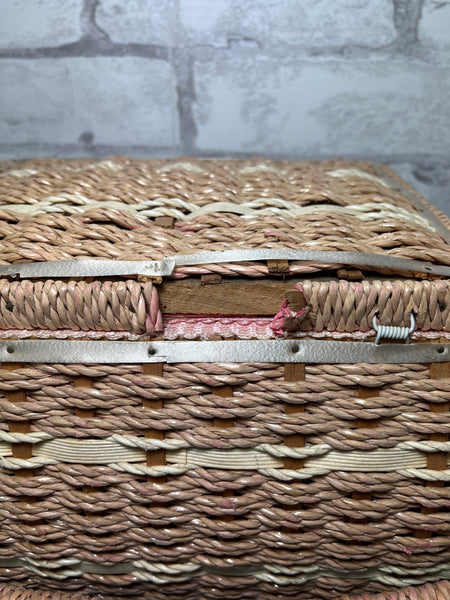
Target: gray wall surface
(280, 78)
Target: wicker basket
(245, 395)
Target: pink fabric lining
(257, 328)
(203, 328)
(278, 323)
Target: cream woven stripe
(164, 573)
(352, 172)
(109, 165)
(72, 204)
(126, 453)
(106, 165)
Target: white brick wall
(128, 99)
(288, 23)
(327, 108)
(435, 24)
(432, 180)
(138, 21)
(39, 22)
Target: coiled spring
(393, 333)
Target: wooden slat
(296, 300)
(350, 274)
(85, 413)
(224, 391)
(231, 297)
(294, 372)
(437, 461)
(440, 370)
(87, 383)
(155, 457)
(364, 392)
(18, 450)
(22, 450)
(165, 222)
(278, 266)
(210, 279)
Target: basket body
(255, 451)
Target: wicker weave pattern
(78, 305)
(10, 593)
(115, 232)
(347, 306)
(133, 307)
(220, 481)
(185, 529)
(440, 591)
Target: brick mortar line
(96, 42)
(89, 25)
(182, 63)
(89, 46)
(407, 15)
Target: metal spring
(393, 333)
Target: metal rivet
(295, 348)
(440, 349)
(10, 349)
(151, 351)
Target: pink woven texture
(78, 226)
(221, 481)
(437, 591)
(133, 307)
(58, 210)
(20, 593)
(80, 306)
(93, 512)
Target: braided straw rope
(54, 209)
(227, 480)
(170, 535)
(133, 306)
(78, 305)
(390, 224)
(438, 591)
(19, 593)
